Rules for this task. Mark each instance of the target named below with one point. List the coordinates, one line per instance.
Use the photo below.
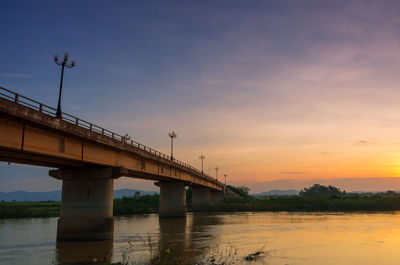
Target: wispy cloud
(16, 75)
(293, 172)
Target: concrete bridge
(89, 158)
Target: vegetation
(163, 253)
(242, 191)
(349, 203)
(137, 204)
(318, 189)
(314, 198)
(29, 209)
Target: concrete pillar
(172, 199)
(86, 203)
(216, 196)
(201, 198)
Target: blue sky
(262, 88)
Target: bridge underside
(27, 158)
(27, 143)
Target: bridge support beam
(86, 204)
(201, 198)
(172, 199)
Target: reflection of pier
(88, 252)
(184, 239)
(182, 235)
(89, 158)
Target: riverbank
(124, 206)
(316, 203)
(29, 209)
(149, 204)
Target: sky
(277, 94)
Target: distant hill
(278, 193)
(130, 193)
(22, 196)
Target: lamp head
(172, 134)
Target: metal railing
(43, 108)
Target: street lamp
(225, 175)
(216, 173)
(202, 157)
(64, 63)
(172, 135)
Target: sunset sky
(277, 94)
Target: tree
(318, 189)
(244, 189)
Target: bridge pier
(172, 199)
(201, 198)
(216, 196)
(86, 204)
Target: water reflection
(72, 252)
(188, 238)
(289, 238)
(173, 238)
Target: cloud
(16, 75)
(293, 172)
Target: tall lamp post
(225, 175)
(202, 157)
(172, 135)
(64, 63)
(216, 173)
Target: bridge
(88, 158)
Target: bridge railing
(33, 104)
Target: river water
(284, 238)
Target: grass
(124, 206)
(149, 204)
(29, 209)
(163, 253)
(136, 205)
(331, 203)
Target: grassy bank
(125, 206)
(29, 209)
(342, 203)
(136, 205)
(149, 204)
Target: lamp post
(172, 135)
(216, 173)
(202, 157)
(225, 175)
(64, 63)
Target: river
(284, 238)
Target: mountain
(22, 196)
(130, 193)
(278, 193)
